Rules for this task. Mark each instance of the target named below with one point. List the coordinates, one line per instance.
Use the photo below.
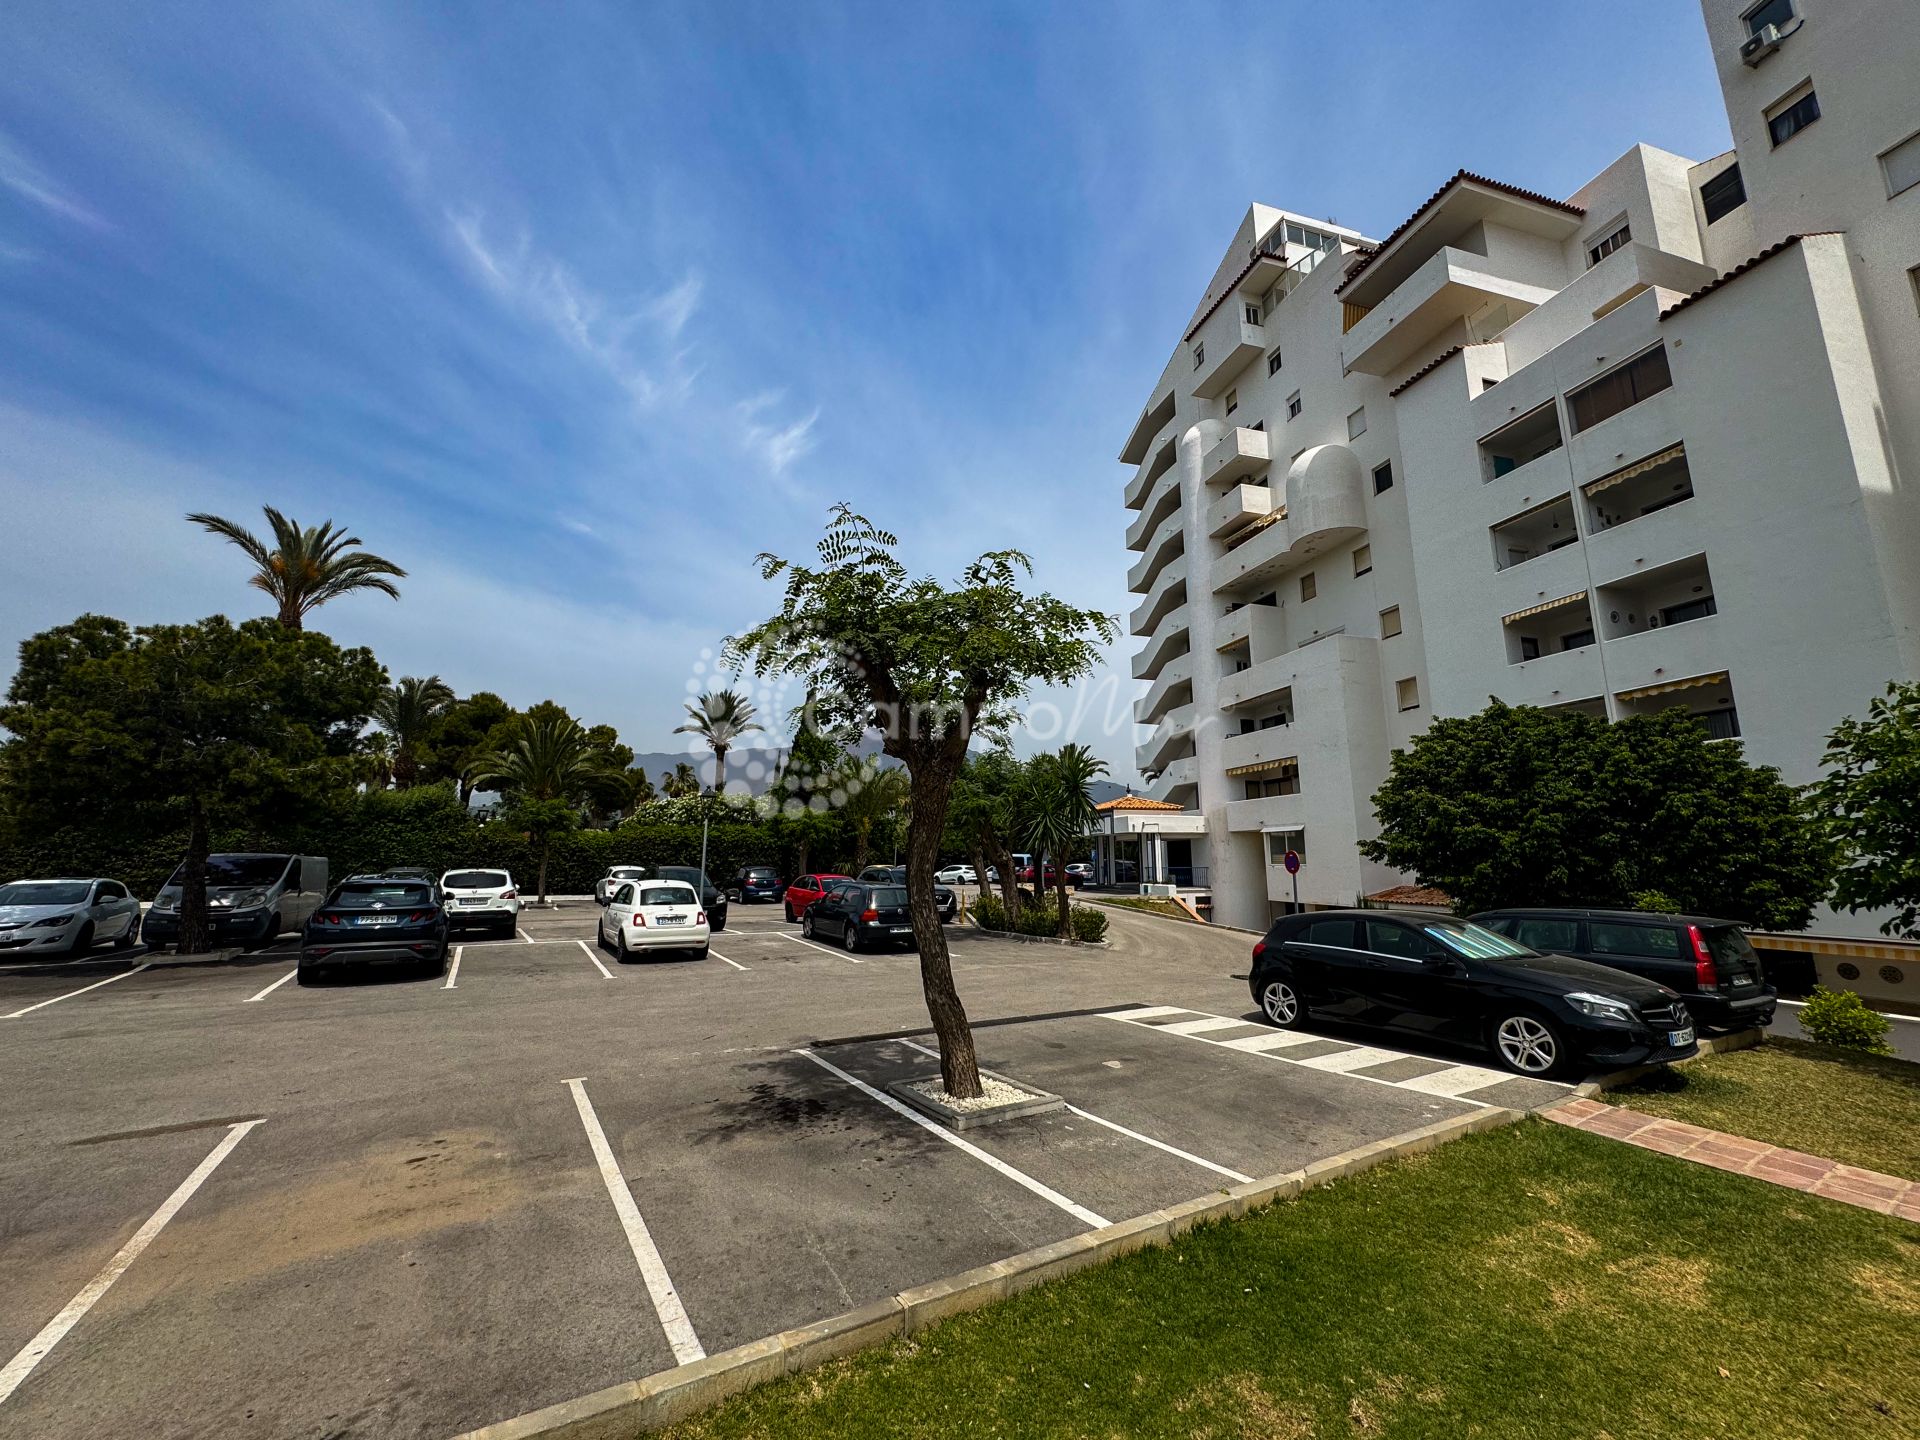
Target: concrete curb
(621, 1411)
(1716, 1045)
(1038, 939)
(1112, 904)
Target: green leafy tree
(1522, 806)
(680, 782)
(1870, 796)
(875, 794)
(640, 789)
(926, 665)
(463, 731)
(302, 569)
(1060, 814)
(721, 718)
(799, 797)
(251, 725)
(409, 711)
(546, 773)
(979, 817)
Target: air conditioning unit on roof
(1762, 43)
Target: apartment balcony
(1270, 812)
(1234, 629)
(1178, 784)
(1554, 679)
(1451, 287)
(1264, 748)
(1234, 456)
(1171, 738)
(1167, 543)
(1322, 509)
(1169, 638)
(1666, 655)
(1162, 500)
(1155, 418)
(1151, 469)
(1173, 686)
(1239, 507)
(1647, 544)
(1226, 345)
(1168, 590)
(1257, 684)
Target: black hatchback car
(375, 921)
(860, 916)
(944, 900)
(1710, 962)
(1445, 979)
(757, 882)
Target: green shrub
(1657, 901)
(1840, 1017)
(1089, 924)
(1041, 919)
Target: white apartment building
(1653, 444)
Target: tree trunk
(546, 848)
(1060, 883)
(980, 867)
(1009, 885)
(931, 789)
(719, 769)
(194, 934)
(861, 831)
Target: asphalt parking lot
(234, 1205)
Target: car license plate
(1678, 1038)
(903, 929)
(376, 919)
(473, 899)
(673, 919)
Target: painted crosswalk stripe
(1346, 1060)
(1265, 1044)
(1456, 1082)
(1201, 1026)
(1146, 1012)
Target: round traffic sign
(1292, 862)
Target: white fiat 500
(653, 915)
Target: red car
(807, 889)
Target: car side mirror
(1438, 960)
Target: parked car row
(1545, 991)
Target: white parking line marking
(1801, 1005)
(273, 987)
(1351, 1060)
(525, 938)
(1200, 1027)
(1278, 1040)
(802, 940)
(653, 1270)
(1130, 1134)
(453, 971)
(1455, 1082)
(1147, 1012)
(1019, 1177)
(28, 1010)
(36, 1350)
(595, 958)
(718, 956)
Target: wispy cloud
(21, 175)
(775, 445)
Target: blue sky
(571, 309)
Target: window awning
(1265, 767)
(1639, 467)
(1544, 605)
(1667, 687)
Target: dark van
(1710, 962)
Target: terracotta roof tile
(1427, 369)
(1460, 177)
(1414, 895)
(1137, 802)
(1741, 269)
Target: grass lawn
(1149, 904)
(1529, 1282)
(1859, 1109)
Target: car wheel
(789, 914)
(701, 953)
(850, 937)
(1529, 1044)
(130, 939)
(306, 975)
(806, 925)
(620, 951)
(718, 925)
(1280, 1004)
(82, 939)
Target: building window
(1273, 363)
(1529, 647)
(1914, 276)
(1260, 425)
(1723, 194)
(1199, 356)
(1576, 639)
(1598, 252)
(1279, 842)
(1793, 114)
(1688, 610)
(1293, 405)
(1309, 587)
(1389, 622)
(1383, 478)
(1406, 693)
(1357, 423)
(1362, 561)
(1286, 784)
(1901, 165)
(1253, 314)
(1233, 401)
(1768, 12)
(1640, 378)
(1721, 724)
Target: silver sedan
(66, 917)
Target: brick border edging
(669, 1396)
(1713, 1045)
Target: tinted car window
(1327, 932)
(380, 892)
(1541, 934)
(1385, 937)
(667, 895)
(1729, 948)
(624, 895)
(476, 880)
(32, 893)
(889, 896)
(1476, 942)
(239, 870)
(759, 872)
(1660, 942)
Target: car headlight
(1601, 1007)
(165, 903)
(54, 922)
(250, 900)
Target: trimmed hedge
(1042, 918)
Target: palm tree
(408, 709)
(1061, 814)
(874, 792)
(680, 782)
(719, 717)
(544, 773)
(305, 568)
(377, 762)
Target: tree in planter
(719, 717)
(248, 726)
(1060, 815)
(926, 665)
(303, 569)
(408, 711)
(1521, 806)
(546, 773)
(1870, 797)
